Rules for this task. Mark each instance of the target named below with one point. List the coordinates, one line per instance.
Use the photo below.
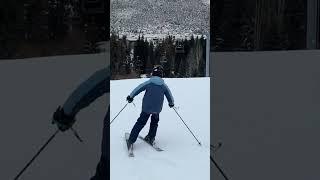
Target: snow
(160, 17)
(183, 158)
(206, 2)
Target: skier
(64, 117)
(152, 104)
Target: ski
(130, 150)
(152, 145)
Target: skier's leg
(102, 169)
(141, 122)
(153, 126)
(105, 147)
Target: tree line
(179, 57)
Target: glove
(129, 99)
(63, 121)
(171, 105)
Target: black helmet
(157, 71)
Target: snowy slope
(183, 158)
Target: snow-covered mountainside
(182, 157)
(160, 16)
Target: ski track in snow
(182, 157)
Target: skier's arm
(91, 89)
(139, 89)
(168, 95)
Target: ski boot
(130, 148)
(129, 145)
(149, 140)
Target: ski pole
(76, 134)
(37, 154)
(186, 126)
(119, 113)
(220, 170)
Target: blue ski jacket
(88, 91)
(155, 90)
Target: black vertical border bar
(108, 14)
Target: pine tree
(114, 55)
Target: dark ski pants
(141, 122)
(103, 170)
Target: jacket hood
(156, 80)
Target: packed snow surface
(182, 157)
